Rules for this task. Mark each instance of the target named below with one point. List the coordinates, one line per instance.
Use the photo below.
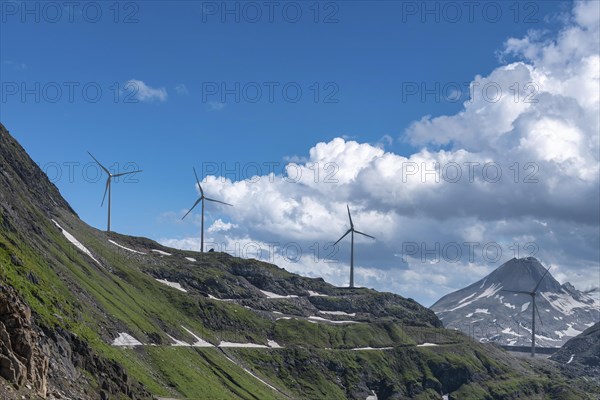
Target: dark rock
(22, 355)
(16, 261)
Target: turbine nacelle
(353, 231)
(202, 199)
(108, 184)
(535, 310)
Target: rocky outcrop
(22, 356)
(51, 361)
(580, 356)
(71, 356)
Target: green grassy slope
(97, 302)
(66, 289)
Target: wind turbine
(351, 231)
(108, 185)
(202, 199)
(534, 309)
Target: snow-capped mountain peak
(487, 312)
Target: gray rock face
(22, 356)
(580, 356)
(482, 310)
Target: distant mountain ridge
(483, 311)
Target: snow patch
(314, 318)
(426, 345)
(539, 335)
(178, 343)
(190, 259)
(316, 294)
(509, 331)
(125, 248)
(126, 340)
(164, 253)
(525, 306)
(371, 348)
(174, 285)
(338, 313)
(571, 359)
(489, 292)
(210, 296)
(199, 342)
(481, 311)
(271, 295)
(569, 332)
(247, 345)
(509, 305)
(373, 396)
(565, 303)
(467, 298)
(76, 242)
(273, 344)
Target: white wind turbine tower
(351, 231)
(202, 199)
(534, 309)
(108, 185)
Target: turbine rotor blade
(364, 234)
(190, 210)
(540, 281)
(515, 291)
(218, 201)
(198, 182)
(127, 173)
(347, 232)
(105, 190)
(101, 166)
(350, 216)
(538, 314)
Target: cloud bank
(514, 173)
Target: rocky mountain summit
(487, 313)
(87, 314)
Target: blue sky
(363, 59)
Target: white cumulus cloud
(524, 151)
(142, 92)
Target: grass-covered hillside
(123, 317)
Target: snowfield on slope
(489, 292)
(126, 340)
(271, 295)
(76, 242)
(338, 313)
(174, 285)
(199, 342)
(247, 345)
(125, 248)
(315, 319)
(163, 253)
(371, 348)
